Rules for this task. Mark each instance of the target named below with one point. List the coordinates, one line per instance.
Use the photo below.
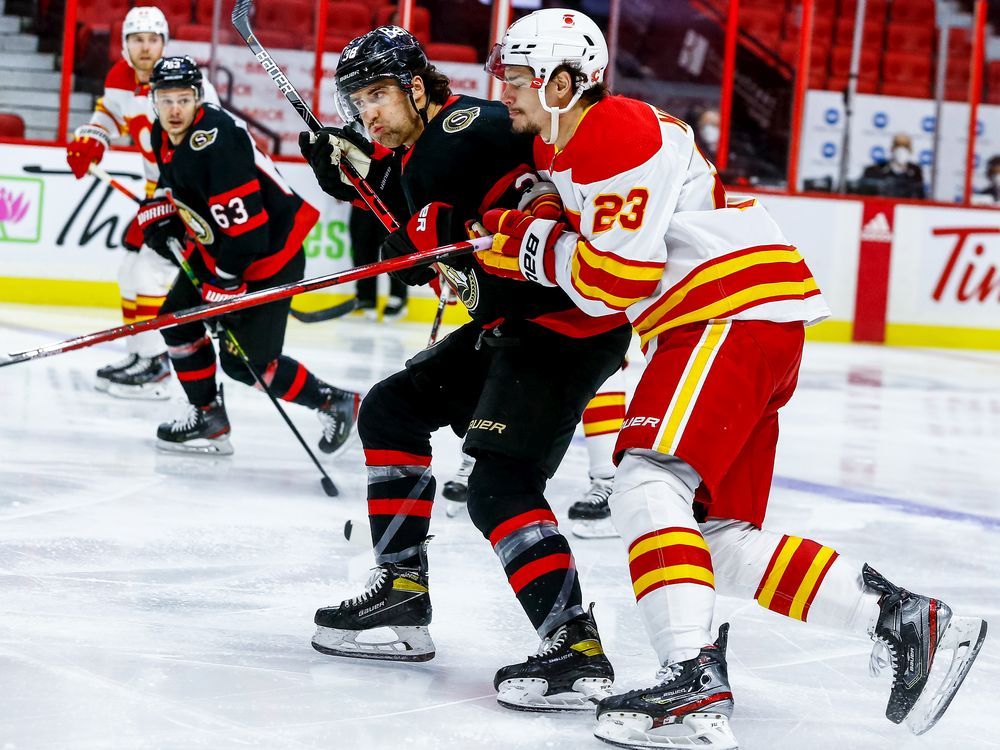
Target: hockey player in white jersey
(720, 300)
(143, 276)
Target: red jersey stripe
(374, 457)
(407, 506)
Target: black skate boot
(591, 514)
(203, 429)
(103, 374)
(569, 673)
(337, 415)
(456, 489)
(929, 649)
(395, 598)
(395, 308)
(146, 378)
(689, 707)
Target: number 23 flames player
(144, 276)
(720, 300)
(248, 226)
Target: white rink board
(946, 268)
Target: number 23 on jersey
(612, 208)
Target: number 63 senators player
(249, 226)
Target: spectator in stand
(896, 178)
(706, 133)
(993, 175)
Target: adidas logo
(877, 229)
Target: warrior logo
(464, 284)
(460, 119)
(201, 139)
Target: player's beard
(396, 136)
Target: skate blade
(101, 385)
(455, 508)
(150, 392)
(602, 529)
(411, 643)
(635, 730)
(529, 694)
(202, 446)
(953, 659)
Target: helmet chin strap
(554, 112)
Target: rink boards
(902, 273)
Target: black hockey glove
(326, 147)
(159, 222)
(430, 227)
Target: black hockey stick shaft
(327, 313)
(203, 312)
(328, 486)
(439, 313)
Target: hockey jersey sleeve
(619, 253)
(235, 201)
(112, 106)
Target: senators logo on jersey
(202, 139)
(459, 119)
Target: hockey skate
(203, 429)
(688, 708)
(147, 378)
(103, 374)
(456, 489)
(929, 649)
(387, 621)
(395, 308)
(569, 673)
(337, 415)
(591, 515)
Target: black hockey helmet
(176, 73)
(384, 52)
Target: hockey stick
(202, 312)
(241, 22)
(327, 313)
(439, 313)
(175, 247)
(109, 180)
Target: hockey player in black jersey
(249, 226)
(514, 382)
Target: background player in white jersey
(144, 276)
(720, 300)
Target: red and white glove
(522, 246)
(87, 147)
(542, 201)
(221, 289)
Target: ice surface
(158, 601)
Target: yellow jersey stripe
(771, 584)
(723, 307)
(673, 573)
(670, 539)
(714, 273)
(689, 388)
(809, 582)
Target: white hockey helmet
(140, 19)
(543, 41)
